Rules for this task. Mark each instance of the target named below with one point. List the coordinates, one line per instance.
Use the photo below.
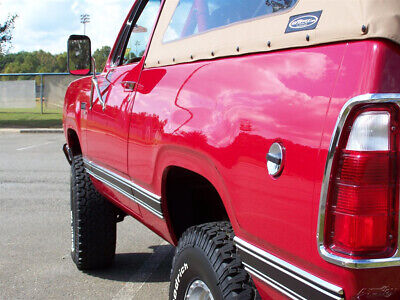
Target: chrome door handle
(129, 86)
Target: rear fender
(174, 156)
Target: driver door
(109, 117)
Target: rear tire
(93, 222)
(206, 262)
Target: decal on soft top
(307, 21)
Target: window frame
(284, 11)
(122, 43)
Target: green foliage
(101, 56)
(27, 119)
(79, 54)
(33, 62)
(44, 62)
(30, 117)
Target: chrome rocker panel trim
(332, 258)
(144, 198)
(286, 278)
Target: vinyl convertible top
(303, 23)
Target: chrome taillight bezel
(327, 255)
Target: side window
(196, 16)
(140, 33)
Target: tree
(6, 34)
(43, 62)
(79, 54)
(101, 56)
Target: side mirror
(79, 55)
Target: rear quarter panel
(219, 118)
(368, 67)
(237, 107)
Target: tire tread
(94, 221)
(216, 241)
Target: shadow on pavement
(126, 266)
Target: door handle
(129, 86)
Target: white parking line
(34, 146)
(131, 289)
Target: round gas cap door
(275, 158)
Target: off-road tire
(207, 253)
(93, 222)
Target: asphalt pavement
(35, 236)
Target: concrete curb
(31, 130)
(42, 130)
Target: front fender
(74, 118)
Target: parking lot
(35, 233)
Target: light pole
(137, 44)
(85, 18)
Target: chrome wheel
(198, 290)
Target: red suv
(261, 138)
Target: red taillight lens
(361, 216)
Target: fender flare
(191, 160)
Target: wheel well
(73, 142)
(191, 200)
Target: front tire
(207, 266)
(93, 222)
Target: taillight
(361, 215)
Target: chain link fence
(17, 94)
(33, 92)
(33, 100)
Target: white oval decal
(303, 22)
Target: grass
(30, 118)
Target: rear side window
(196, 16)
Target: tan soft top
(341, 20)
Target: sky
(47, 24)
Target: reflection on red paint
(219, 118)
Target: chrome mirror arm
(95, 85)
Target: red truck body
(218, 118)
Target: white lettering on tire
(72, 234)
(178, 278)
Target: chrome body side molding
(144, 198)
(325, 254)
(286, 278)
